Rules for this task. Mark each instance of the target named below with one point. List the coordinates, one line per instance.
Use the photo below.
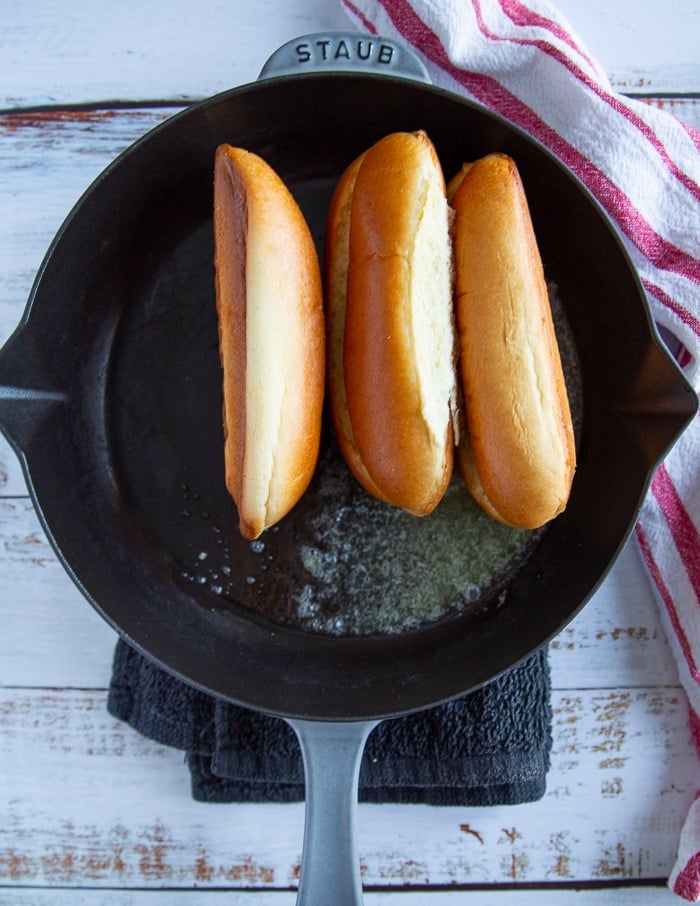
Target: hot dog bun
(389, 303)
(271, 339)
(517, 453)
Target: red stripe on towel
(695, 732)
(364, 21)
(683, 529)
(522, 15)
(614, 102)
(655, 573)
(684, 315)
(687, 882)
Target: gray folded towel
(490, 747)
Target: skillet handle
(339, 51)
(330, 866)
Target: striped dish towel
(524, 61)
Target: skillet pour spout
(27, 393)
(658, 404)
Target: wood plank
(91, 802)
(641, 47)
(133, 51)
(616, 896)
(130, 50)
(52, 637)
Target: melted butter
(392, 572)
(344, 563)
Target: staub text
(329, 50)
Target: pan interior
(341, 562)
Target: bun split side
(389, 309)
(271, 339)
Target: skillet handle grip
(338, 51)
(330, 866)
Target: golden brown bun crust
(336, 261)
(518, 457)
(271, 339)
(388, 430)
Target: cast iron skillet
(110, 395)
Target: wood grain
(128, 50)
(132, 821)
(643, 48)
(608, 896)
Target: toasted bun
(517, 454)
(388, 270)
(271, 339)
(336, 264)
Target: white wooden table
(92, 813)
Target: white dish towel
(522, 59)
